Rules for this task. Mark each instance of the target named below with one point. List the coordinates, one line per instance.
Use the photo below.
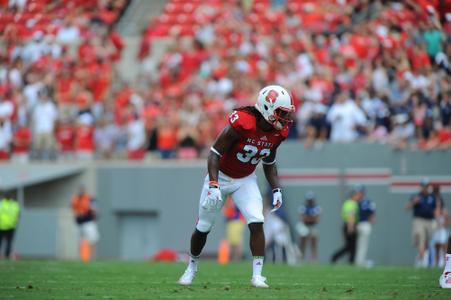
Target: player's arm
(372, 217)
(309, 219)
(413, 201)
(93, 207)
(316, 218)
(223, 143)
(351, 222)
(270, 169)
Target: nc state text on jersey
(259, 143)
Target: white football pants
(245, 195)
(363, 240)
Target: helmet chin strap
(277, 125)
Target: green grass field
(124, 280)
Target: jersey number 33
(250, 153)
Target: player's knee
(201, 233)
(256, 227)
(204, 226)
(258, 218)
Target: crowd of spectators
(359, 70)
(56, 74)
(375, 71)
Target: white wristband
(268, 163)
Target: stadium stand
(358, 71)
(55, 74)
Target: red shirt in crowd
(65, 134)
(84, 138)
(64, 87)
(22, 140)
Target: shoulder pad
(242, 121)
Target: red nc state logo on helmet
(272, 96)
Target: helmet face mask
(282, 118)
(275, 105)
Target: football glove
(276, 199)
(213, 200)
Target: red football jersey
(254, 145)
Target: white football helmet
(275, 104)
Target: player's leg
(257, 239)
(9, 243)
(443, 247)
(430, 228)
(438, 250)
(422, 242)
(352, 243)
(249, 201)
(284, 253)
(314, 243)
(445, 278)
(359, 244)
(363, 240)
(257, 245)
(437, 245)
(204, 224)
(302, 245)
(1, 239)
(270, 250)
(198, 240)
(342, 251)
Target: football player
(445, 278)
(252, 135)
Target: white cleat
(187, 277)
(445, 280)
(259, 281)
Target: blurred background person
(21, 144)
(367, 217)
(65, 139)
(234, 229)
(350, 215)
(277, 236)
(136, 134)
(279, 244)
(9, 218)
(424, 206)
(306, 228)
(440, 235)
(402, 132)
(44, 117)
(6, 135)
(85, 213)
(105, 138)
(346, 119)
(317, 127)
(167, 136)
(84, 137)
